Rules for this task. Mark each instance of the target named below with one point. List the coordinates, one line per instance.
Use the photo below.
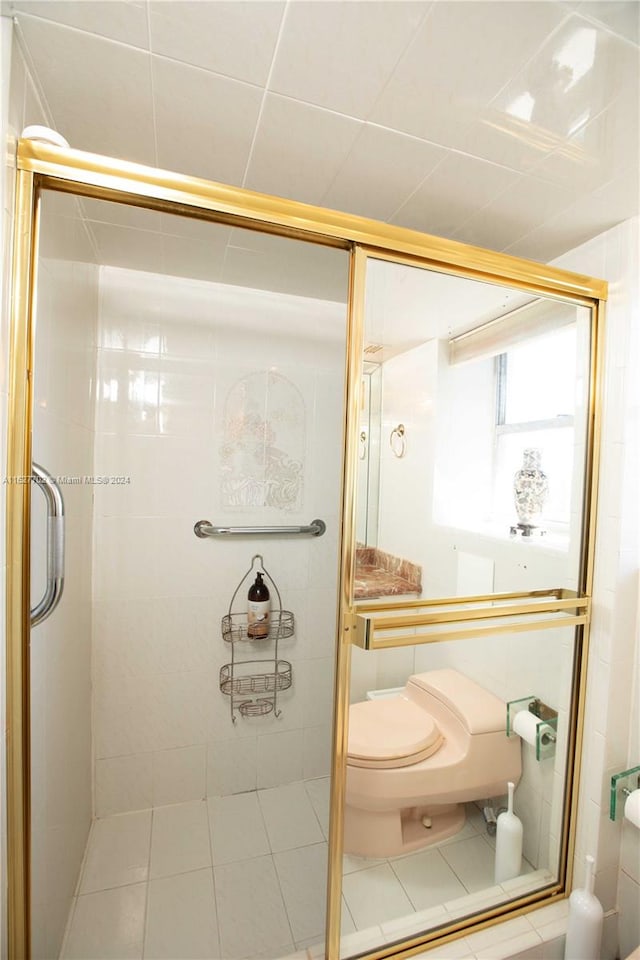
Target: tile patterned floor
(244, 877)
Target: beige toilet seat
(391, 733)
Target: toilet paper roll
(526, 724)
(632, 808)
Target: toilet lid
(391, 731)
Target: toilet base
(391, 833)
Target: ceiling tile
(601, 150)
(276, 263)
(121, 214)
(454, 191)
(194, 229)
(541, 244)
(184, 257)
(340, 55)
(524, 205)
(99, 91)
(65, 238)
(204, 123)
(236, 39)
(588, 217)
(382, 170)
(125, 247)
(622, 17)
(299, 149)
(460, 58)
(578, 72)
(123, 20)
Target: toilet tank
(477, 709)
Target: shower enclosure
(215, 381)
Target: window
(535, 407)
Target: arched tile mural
(262, 454)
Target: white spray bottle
(508, 843)
(584, 929)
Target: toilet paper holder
(545, 735)
(621, 790)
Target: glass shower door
(185, 371)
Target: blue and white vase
(530, 488)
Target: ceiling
(509, 125)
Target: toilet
(414, 760)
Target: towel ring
(398, 441)
(362, 455)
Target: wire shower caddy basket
(253, 684)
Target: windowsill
(551, 541)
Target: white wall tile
(123, 784)
(628, 900)
(279, 758)
(179, 775)
(316, 751)
(231, 766)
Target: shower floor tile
(243, 877)
(117, 852)
(181, 917)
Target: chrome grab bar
(205, 529)
(55, 545)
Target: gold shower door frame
(43, 167)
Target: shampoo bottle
(508, 843)
(258, 608)
(584, 929)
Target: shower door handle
(55, 545)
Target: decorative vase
(530, 488)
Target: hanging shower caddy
(252, 684)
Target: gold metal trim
(485, 616)
(149, 185)
(370, 635)
(499, 601)
(346, 624)
(18, 502)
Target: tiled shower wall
(181, 363)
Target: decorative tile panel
(262, 453)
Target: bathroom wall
(172, 415)
(611, 727)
